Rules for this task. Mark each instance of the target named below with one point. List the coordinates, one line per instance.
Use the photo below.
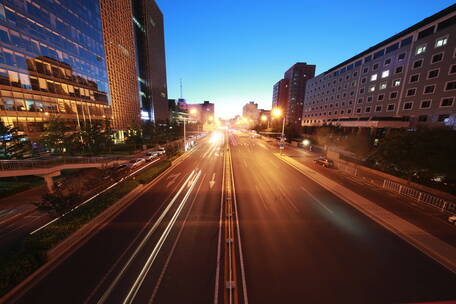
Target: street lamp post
(192, 112)
(277, 112)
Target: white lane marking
(290, 202)
(145, 239)
(171, 253)
(212, 181)
(262, 198)
(316, 199)
(172, 178)
(245, 163)
(142, 275)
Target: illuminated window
(385, 73)
(373, 77)
(372, 89)
(383, 86)
(421, 49)
(441, 42)
(396, 83)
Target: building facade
(52, 63)
(280, 95)
(204, 112)
(297, 77)
(407, 80)
(150, 48)
(120, 47)
(251, 111)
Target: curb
(64, 249)
(438, 256)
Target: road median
(433, 247)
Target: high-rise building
(407, 80)
(251, 111)
(280, 95)
(204, 112)
(52, 63)
(150, 52)
(297, 77)
(120, 47)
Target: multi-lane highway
(288, 239)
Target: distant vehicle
(151, 155)
(452, 219)
(161, 150)
(136, 162)
(121, 168)
(322, 161)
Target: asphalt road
(161, 249)
(304, 245)
(300, 243)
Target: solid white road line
(142, 275)
(146, 238)
(171, 253)
(316, 199)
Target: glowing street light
(193, 111)
(277, 112)
(306, 142)
(211, 118)
(264, 118)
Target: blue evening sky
(233, 51)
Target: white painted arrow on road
(212, 182)
(173, 178)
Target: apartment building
(407, 80)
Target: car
(151, 155)
(322, 161)
(452, 219)
(161, 150)
(136, 162)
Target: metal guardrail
(9, 165)
(417, 195)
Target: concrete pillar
(48, 178)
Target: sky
(233, 51)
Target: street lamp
(265, 118)
(277, 112)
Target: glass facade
(52, 62)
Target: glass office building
(52, 63)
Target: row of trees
(423, 155)
(90, 139)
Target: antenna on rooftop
(181, 95)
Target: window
(387, 61)
(414, 78)
(399, 69)
(365, 70)
(378, 108)
(369, 99)
(373, 77)
(390, 107)
(447, 102)
(363, 80)
(375, 67)
(443, 117)
(433, 74)
(408, 105)
(452, 70)
(437, 58)
(385, 73)
(450, 86)
(418, 64)
(381, 97)
(360, 100)
(383, 86)
(367, 110)
(372, 89)
(425, 104)
(349, 111)
(401, 57)
(421, 49)
(393, 95)
(422, 118)
(411, 92)
(396, 83)
(358, 110)
(429, 89)
(441, 42)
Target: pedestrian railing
(8, 165)
(412, 193)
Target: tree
(359, 143)
(418, 154)
(13, 143)
(55, 136)
(96, 136)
